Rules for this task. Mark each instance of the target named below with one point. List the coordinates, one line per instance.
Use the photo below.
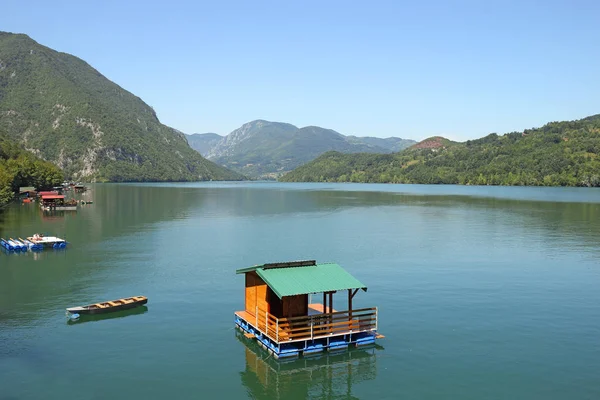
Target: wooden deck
(317, 308)
(313, 326)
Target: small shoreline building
(278, 314)
(27, 191)
(52, 201)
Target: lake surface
(483, 292)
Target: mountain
(557, 154)
(391, 144)
(203, 142)
(267, 149)
(66, 112)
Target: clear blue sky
(460, 69)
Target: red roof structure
(52, 196)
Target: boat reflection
(36, 254)
(323, 376)
(101, 317)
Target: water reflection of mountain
(326, 376)
(552, 220)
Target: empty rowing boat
(110, 306)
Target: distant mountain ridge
(557, 154)
(64, 111)
(203, 142)
(268, 149)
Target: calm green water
(484, 293)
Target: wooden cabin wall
(261, 296)
(295, 306)
(251, 283)
(275, 303)
(256, 293)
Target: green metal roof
(308, 278)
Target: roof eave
(247, 269)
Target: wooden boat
(110, 306)
(82, 319)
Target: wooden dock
(48, 241)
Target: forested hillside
(66, 112)
(557, 154)
(19, 167)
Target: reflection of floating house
(329, 375)
(278, 314)
(57, 202)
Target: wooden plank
(327, 314)
(379, 336)
(249, 335)
(344, 326)
(363, 320)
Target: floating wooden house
(57, 202)
(278, 314)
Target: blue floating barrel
(7, 245)
(56, 246)
(16, 245)
(28, 243)
(63, 245)
(20, 245)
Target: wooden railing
(315, 326)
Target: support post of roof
(351, 295)
(350, 307)
(330, 309)
(324, 302)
